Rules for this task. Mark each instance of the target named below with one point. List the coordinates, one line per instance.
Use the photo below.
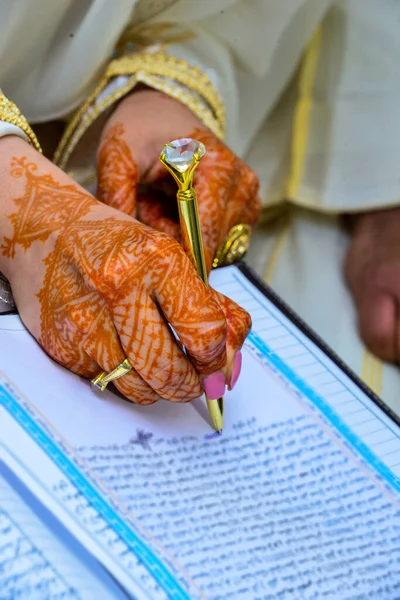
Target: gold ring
(103, 379)
(234, 247)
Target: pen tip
(219, 431)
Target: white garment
(322, 133)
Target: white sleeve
(248, 48)
(350, 161)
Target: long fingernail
(237, 367)
(214, 386)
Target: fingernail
(214, 386)
(237, 367)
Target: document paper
(36, 564)
(299, 497)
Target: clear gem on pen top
(179, 153)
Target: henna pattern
(109, 286)
(35, 220)
(118, 174)
(227, 188)
(238, 324)
(152, 209)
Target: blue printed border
(316, 400)
(154, 565)
(326, 410)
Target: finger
(117, 172)
(60, 333)
(238, 327)
(133, 387)
(252, 211)
(158, 175)
(252, 202)
(242, 205)
(81, 365)
(154, 211)
(102, 345)
(213, 182)
(151, 347)
(191, 309)
(378, 324)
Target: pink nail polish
(214, 386)
(237, 367)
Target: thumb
(117, 172)
(156, 211)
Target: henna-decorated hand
(95, 286)
(227, 189)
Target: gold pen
(181, 158)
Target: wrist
(12, 120)
(158, 114)
(10, 146)
(151, 119)
(16, 155)
(176, 79)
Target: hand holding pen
(181, 157)
(226, 191)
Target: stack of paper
(299, 498)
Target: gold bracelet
(169, 67)
(174, 77)
(10, 113)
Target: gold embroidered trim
(10, 113)
(302, 115)
(173, 77)
(175, 69)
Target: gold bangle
(85, 116)
(170, 67)
(178, 90)
(174, 77)
(10, 113)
